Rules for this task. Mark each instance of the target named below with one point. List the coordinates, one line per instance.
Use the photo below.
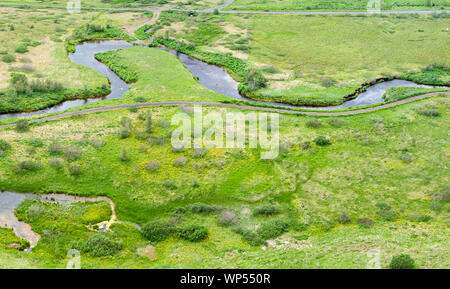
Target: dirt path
(230, 105)
(130, 29)
(236, 12)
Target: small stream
(9, 201)
(210, 76)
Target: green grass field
(160, 77)
(341, 186)
(393, 158)
(335, 5)
(201, 4)
(311, 60)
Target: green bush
(255, 79)
(125, 132)
(99, 245)
(157, 231)
(313, 123)
(27, 166)
(55, 148)
(22, 125)
(343, 217)
(4, 146)
(199, 208)
(152, 166)
(192, 233)
(56, 163)
(322, 141)
(179, 162)
(8, 58)
(251, 237)
(72, 153)
(266, 210)
(133, 109)
(74, 170)
(21, 48)
(365, 222)
(272, 229)
(402, 261)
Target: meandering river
(210, 76)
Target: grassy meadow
(159, 4)
(335, 5)
(318, 60)
(385, 170)
(159, 76)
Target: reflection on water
(210, 76)
(9, 201)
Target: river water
(210, 76)
(9, 201)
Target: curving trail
(229, 2)
(230, 105)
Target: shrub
(365, 222)
(199, 153)
(251, 237)
(21, 48)
(227, 218)
(402, 261)
(157, 231)
(133, 109)
(4, 146)
(148, 121)
(125, 132)
(255, 79)
(99, 245)
(272, 229)
(55, 148)
(180, 162)
(143, 149)
(22, 125)
(200, 208)
(192, 233)
(328, 81)
(322, 141)
(313, 123)
(8, 58)
(56, 163)
(152, 166)
(124, 155)
(419, 217)
(72, 153)
(27, 166)
(428, 112)
(343, 217)
(266, 210)
(159, 140)
(178, 149)
(74, 170)
(337, 122)
(126, 122)
(170, 184)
